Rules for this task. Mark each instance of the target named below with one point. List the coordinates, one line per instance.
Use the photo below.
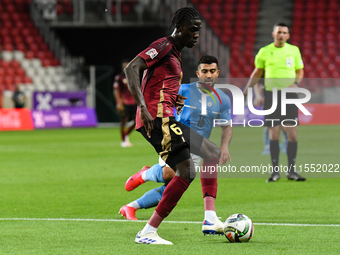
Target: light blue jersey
(191, 115)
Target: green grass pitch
(60, 191)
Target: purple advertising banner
(58, 100)
(65, 118)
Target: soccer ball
(238, 228)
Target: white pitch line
(176, 222)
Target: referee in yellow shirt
(283, 67)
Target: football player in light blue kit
(217, 107)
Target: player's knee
(210, 150)
(292, 139)
(186, 170)
(291, 134)
(168, 174)
(213, 152)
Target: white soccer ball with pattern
(238, 228)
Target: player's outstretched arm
(227, 133)
(132, 72)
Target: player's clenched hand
(120, 107)
(225, 156)
(293, 86)
(258, 101)
(179, 103)
(147, 120)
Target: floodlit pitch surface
(60, 191)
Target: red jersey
(120, 84)
(162, 78)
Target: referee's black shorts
(173, 140)
(276, 118)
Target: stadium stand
(25, 58)
(315, 33)
(234, 21)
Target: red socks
(172, 193)
(209, 177)
(209, 203)
(177, 186)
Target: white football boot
(150, 238)
(212, 228)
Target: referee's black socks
(274, 154)
(291, 154)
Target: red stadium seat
(126, 9)
(225, 38)
(8, 25)
(46, 62)
(27, 80)
(40, 55)
(29, 55)
(5, 17)
(34, 47)
(21, 47)
(69, 9)
(18, 80)
(21, 72)
(7, 2)
(15, 17)
(18, 39)
(4, 64)
(8, 82)
(326, 61)
(56, 62)
(8, 47)
(59, 9)
(15, 64)
(7, 40)
(337, 60)
(113, 9)
(29, 39)
(335, 74)
(324, 75)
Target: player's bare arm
(132, 73)
(227, 133)
(118, 100)
(254, 78)
(299, 76)
(259, 99)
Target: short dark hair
(280, 24)
(184, 14)
(207, 60)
